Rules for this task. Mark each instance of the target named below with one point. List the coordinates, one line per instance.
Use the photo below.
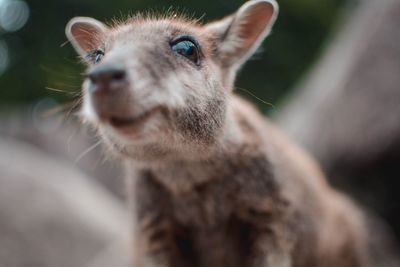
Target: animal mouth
(119, 122)
(123, 122)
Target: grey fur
(212, 182)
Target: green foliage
(40, 58)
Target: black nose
(107, 75)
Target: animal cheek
(173, 92)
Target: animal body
(211, 181)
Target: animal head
(159, 87)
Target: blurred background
(329, 75)
(33, 44)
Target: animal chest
(208, 230)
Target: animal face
(159, 87)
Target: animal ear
(238, 36)
(85, 34)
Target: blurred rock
(347, 112)
(64, 137)
(53, 215)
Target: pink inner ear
(85, 35)
(257, 19)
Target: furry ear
(238, 36)
(85, 34)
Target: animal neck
(183, 173)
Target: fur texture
(212, 182)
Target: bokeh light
(13, 14)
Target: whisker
(63, 44)
(201, 18)
(101, 160)
(59, 90)
(54, 110)
(87, 151)
(75, 104)
(256, 97)
(69, 140)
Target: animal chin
(133, 121)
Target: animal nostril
(107, 75)
(118, 75)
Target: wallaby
(212, 182)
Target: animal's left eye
(99, 54)
(96, 55)
(186, 48)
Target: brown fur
(212, 182)
(262, 200)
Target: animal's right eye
(187, 47)
(96, 55)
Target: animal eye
(186, 48)
(99, 56)
(96, 55)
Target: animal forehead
(153, 31)
(147, 47)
